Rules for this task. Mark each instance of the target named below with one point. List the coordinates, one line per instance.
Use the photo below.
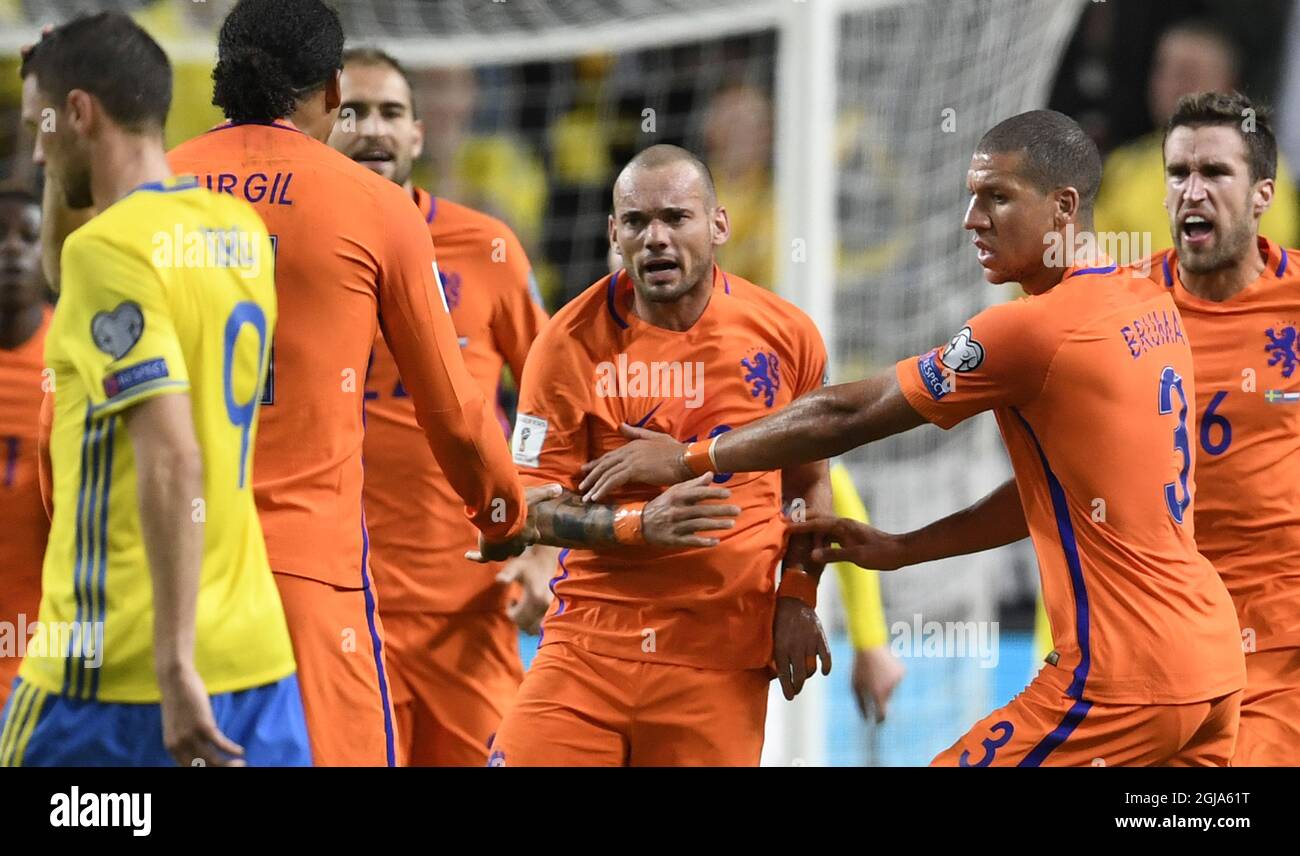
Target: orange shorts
(1270, 711)
(338, 643)
(1044, 727)
(579, 709)
(453, 677)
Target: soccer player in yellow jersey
(161, 636)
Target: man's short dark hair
(1252, 122)
(111, 57)
(273, 53)
(1057, 153)
(373, 56)
(663, 154)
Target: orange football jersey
(418, 530)
(1093, 389)
(1248, 433)
(26, 526)
(596, 365)
(351, 254)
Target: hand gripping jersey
(597, 365)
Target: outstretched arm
(674, 518)
(996, 520)
(819, 425)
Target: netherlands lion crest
(1281, 348)
(763, 374)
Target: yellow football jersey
(169, 290)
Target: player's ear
(721, 226)
(417, 138)
(1067, 206)
(1262, 198)
(334, 92)
(80, 107)
(612, 230)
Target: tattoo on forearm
(569, 522)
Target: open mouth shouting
(1195, 230)
(660, 271)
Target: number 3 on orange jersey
(991, 746)
(1170, 380)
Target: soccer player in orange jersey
(1239, 295)
(1091, 380)
(351, 252)
(24, 318)
(453, 648)
(656, 650)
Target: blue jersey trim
(1073, 717)
(1069, 545)
(609, 300)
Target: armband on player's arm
(805, 491)
(567, 521)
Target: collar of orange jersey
(1275, 261)
(619, 281)
(1102, 265)
(282, 124)
(426, 202)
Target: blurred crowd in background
(538, 144)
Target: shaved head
(665, 224)
(662, 155)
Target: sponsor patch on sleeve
(133, 376)
(932, 376)
(530, 434)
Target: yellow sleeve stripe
(861, 589)
(137, 393)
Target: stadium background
(839, 132)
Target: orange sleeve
(550, 438)
(999, 359)
(519, 314)
(812, 365)
(44, 467)
(459, 423)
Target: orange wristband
(698, 457)
(796, 583)
(627, 523)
